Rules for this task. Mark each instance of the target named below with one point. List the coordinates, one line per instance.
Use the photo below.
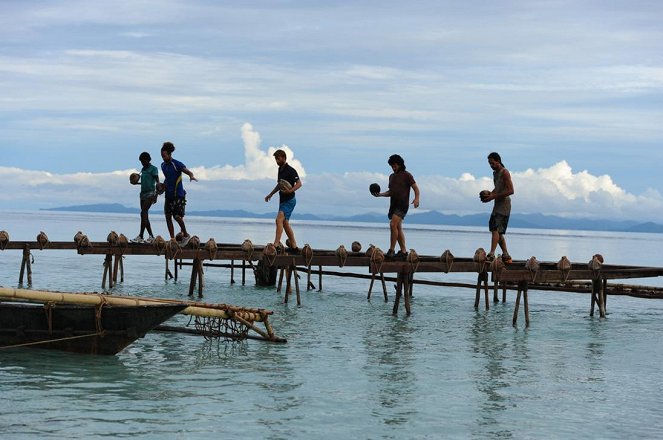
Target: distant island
(530, 221)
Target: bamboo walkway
(266, 261)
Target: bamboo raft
(265, 261)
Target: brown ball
(483, 194)
(134, 178)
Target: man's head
(144, 158)
(495, 161)
(397, 163)
(167, 151)
(280, 157)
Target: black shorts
(175, 206)
(399, 210)
(498, 222)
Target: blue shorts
(287, 207)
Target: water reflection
(493, 377)
(390, 366)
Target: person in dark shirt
(499, 218)
(400, 183)
(288, 182)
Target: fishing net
(220, 328)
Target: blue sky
(569, 92)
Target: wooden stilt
(192, 282)
(28, 268)
(168, 275)
(201, 277)
(116, 267)
(294, 271)
(525, 288)
(108, 261)
(176, 268)
(232, 272)
(399, 291)
(288, 280)
(406, 292)
(319, 278)
(384, 287)
(243, 272)
(370, 286)
(25, 264)
(482, 278)
(121, 269)
(516, 306)
(496, 298)
(522, 292)
(280, 283)
(503, 292)
(605, 295)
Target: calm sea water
(350, 369)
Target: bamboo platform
(519, 275)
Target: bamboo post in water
(24, 263)
(294, 271)
(116, 268)
(406, 292)
(232, 272)
(108, 271)
(319, 278)
(243, 272)
(399, 291)
(384, 287)
(482, 278)
(522, 291)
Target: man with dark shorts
(174, 206)
(499, 218)
(287, 200)
(400, 183)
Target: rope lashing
(4, 239)
(159, 245)
(447, 258)
(42, 240)
(533, 266)
(564, 265)
(211, 248)
(341, 255)
(247, 247)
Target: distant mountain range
(532, 221)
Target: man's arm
(415, 202)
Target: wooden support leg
(108, 262)
(477, 298)
(503, 292)
(116, 267)
(516, 306)
(496, 298)
(280, 283)
(201, 277)
(605, 295)
(294, 271)
(485, 288)
(194, 276)
(176, 268)
(24, 264)
(28, 268)
(526, 304)
(406, 292)
(599, 297)
(243, 272)
(168, 275)
(121, 269)
(593, 301)
(288, 278)
(370, 286)
(20, 275)
(399, 290)
(384, 287)
(232, 272)
(319, 278)
(309, 284)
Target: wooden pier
(266, 261)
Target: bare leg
(280, 219)
(290, 233)
(180, 221)
(396, 231)
(401, 237)
(502, 243)
(169, 223)
(495, 238)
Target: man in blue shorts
(287, 199)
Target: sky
(570, 93)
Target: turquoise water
(350, 369)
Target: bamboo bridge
(266, 261)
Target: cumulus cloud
(258, 164)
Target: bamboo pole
(399, 291)
(232, 272)
(294, 270)
(384, 287)
(243, 272)
(193, 308)
(406, 293)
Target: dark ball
(374, 188)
